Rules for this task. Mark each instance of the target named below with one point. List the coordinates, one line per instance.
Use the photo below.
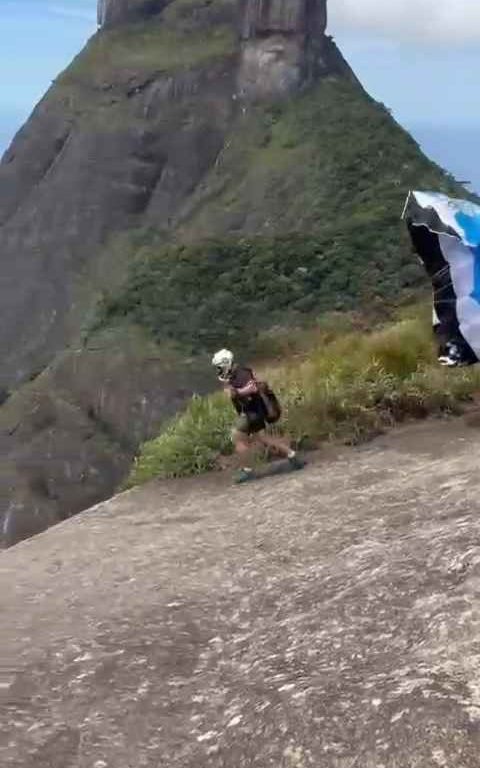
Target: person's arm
(249, 388)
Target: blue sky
(420, 57)
(37, 40)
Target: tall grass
(350, 388)
(190, 445)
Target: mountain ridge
(198, 120)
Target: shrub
(190, 444)
(294, 220)
(349, 389)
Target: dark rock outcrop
(111, 13)
(281, 40)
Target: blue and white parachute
(446, 236)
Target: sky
(420, 57)
(38, 38)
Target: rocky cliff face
(124, 136)
(124, 139)
(113, 12)
(255, 16)
(168, 121)
(283, 42)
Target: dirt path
(328, 618)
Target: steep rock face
(256, 16)
(94, 180)
(113, 12)
(122, 138)
(68, 438)
(167, 121)
(278, 37)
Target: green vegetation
(348, 389)
(219, 292)
(325, 213)
(148, 47)
(330, 161)
(190, 445)
(299, 217)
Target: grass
(350, 388)
(190, 445)
(229, 292)
(147, 47)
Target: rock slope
(178, 122)
(329, 618)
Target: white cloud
(434, 21)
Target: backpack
(273, 409)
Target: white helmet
(223, 362)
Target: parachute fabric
(445, 233)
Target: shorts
(249, 424)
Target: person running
(256, 406)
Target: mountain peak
(110, 13)
(257, 16)
(180, 122)
(281, 43)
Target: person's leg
(243, 445)
(282, 446)
(247, 436)
(279, 444)
(241, 442)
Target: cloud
(433, 21)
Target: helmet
(223, 362)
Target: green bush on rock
(348, 389)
